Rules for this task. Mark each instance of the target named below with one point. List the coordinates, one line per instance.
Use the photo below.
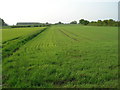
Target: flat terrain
(61, 56)
(14, 33)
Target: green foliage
(73, 22)
(84, 22)
(59, 23)
(64, 56)
(109, 22)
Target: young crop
(67, 56)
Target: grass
(68, 56)
(13, 33)
(13, 44)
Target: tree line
(109, 22)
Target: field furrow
(68, 35)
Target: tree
(84, 22)
(73, 22)
(111, 22)
(81, 21)
(99, 23)
(105, 22)
(59, 22)
(47, 23)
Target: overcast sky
(52, 11)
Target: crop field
(14, 33)
(60, 56)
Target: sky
(53, 11)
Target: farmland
(68, 56)
(13, 33)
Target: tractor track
(68, 36)
(77, 35)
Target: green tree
(84, 22)
(60, 23)
(105, 22)
(111, 22)
(73, 22)
(81, 21)
(47, 23)
(99, 22)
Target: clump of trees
(59, 23)
(73, 22)
(109, 22)
(84, 22)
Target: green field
(67, 56)
(13, 33)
